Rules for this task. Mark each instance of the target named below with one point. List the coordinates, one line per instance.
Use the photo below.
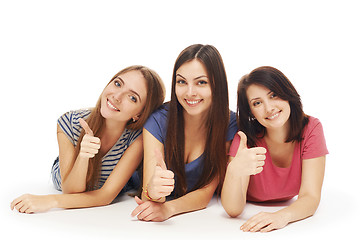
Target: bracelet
(146, 193)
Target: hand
(162, 182)
(150, 211)
(265, 222)
(248, 161)
(89, 145)
(28, 203)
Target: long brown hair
(155, 97)
(216, 124)
(277, 82)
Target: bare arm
(233, 194)
(305, 206)
(155, 211)
(246, 162)
(116, 181)
(73, 173)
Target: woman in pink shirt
(278, 154)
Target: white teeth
(192, 102)
(273, 116)
(112, 106)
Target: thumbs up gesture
(89, 145)
(162, 182)
(248, 161)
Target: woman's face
(193, 89)
(124, 97)
(269, 110)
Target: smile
(274, 116)
(192, 102)
(112, 106)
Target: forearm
(75, 180)
(233, 194)
(82, 200)
(192, 201)
(305, 206)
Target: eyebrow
(122, 81)
(194, 78)
(259, 97)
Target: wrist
(148, 197)
(170, 209)
(285, 214)
(233, 171)
(54, 201)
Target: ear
(135, 118)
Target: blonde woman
(100, 149)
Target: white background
(57, 56)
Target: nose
(191, 91)
(268, 106)
(118, 96)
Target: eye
(117, 83)
(180, 81)
(133, 98)
(256, 103)
(202, 82)
(273, 95)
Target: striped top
(69, 123)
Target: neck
(194, 122)
(113, 129)
(278, 135)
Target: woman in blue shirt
(97, 157)
(186, 140)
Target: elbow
(234, 212)
(233, 209)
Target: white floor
(337, 216)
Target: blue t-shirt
(157, 126)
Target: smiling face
(124, 97)
(268, 109)
(193, 89)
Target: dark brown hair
(155, 97)
(277, 82)
(216, 123)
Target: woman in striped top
(93, 172)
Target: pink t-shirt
(280, 184)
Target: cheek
(256, 112)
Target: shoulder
(69, 123)
(313, 142)
(74, 115)
(157, 118)
(157, 123)
(313, 126)
(131, 135)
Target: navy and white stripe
(69, 123)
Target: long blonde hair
(155, 97)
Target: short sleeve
(234, 145)
(313, 144)
(157, 124)
(133, 136)
(232, 128)
(69, 123)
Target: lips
(111, 106)
(192, 102)
(273, 116)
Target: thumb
(86, 127)
(160, 159)
(138, 200)
(243, 140)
